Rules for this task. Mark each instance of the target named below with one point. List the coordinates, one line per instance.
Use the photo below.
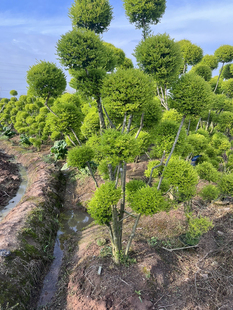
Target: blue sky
(30, 29)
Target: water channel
(15, 200)
(71, 221)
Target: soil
(9, 179)
(159, 275)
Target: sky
(29, 31)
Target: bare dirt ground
(156, 276)
(9, 179)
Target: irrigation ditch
(31, 235)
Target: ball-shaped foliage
(132, 187)
(144, 12)
(127, 91)
(81, 49)
(210, 61)
(90, 123)
(79, 156)
(208, 172)
(191, 53)
(190, 95)
(226, 184)
(198, 142)
(203, 71)
(164, 138)
(159, 56)
(224, 53)
(172, 115)
(209, 193)
(99, 207)
(183, 177)
(148, 201)
(94, 15)
(227, 72)
(13, 92)
(227, 87)
(45, 79)
(220, 143)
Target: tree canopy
(94, 15)
(45, 79)
(142, 13)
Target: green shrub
(226, 184)
(99, 207)
(198, 226)
(79, 156)
(199, 143)
(183, 177)
(209, 193)
(206, 171)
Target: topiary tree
(191, 53)
(210, 61)
(94, 15)
(13, 93)
(227, 87)
(166, 132)
(145, 12)
(227, 72)
(207, 171)
(224, 54)
(160, 57)
(203, 71)
(127, 92)
(84, 54)
(45, 80)
(182, 177)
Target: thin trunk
(188, 127)
(172, 150)
(101, 114)
(141, 125)
(219, 77)
(208, 121)
(184, 68)
(71, 140)
(75, 136)
(160, 164)
(198, 124)
(117, 175)
(122, 209)
(132, 235)
(111, 174)
(92, 174)
(162, 99)
(124, 123)
(2, 108)
(129, 123)
(116, 244)
(110, 122)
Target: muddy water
(21, 191)
(72, 221)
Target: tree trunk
(198, 124)
(116, 240)
(219, 77)
(172, 150)
(132, 235)
(101, 114)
